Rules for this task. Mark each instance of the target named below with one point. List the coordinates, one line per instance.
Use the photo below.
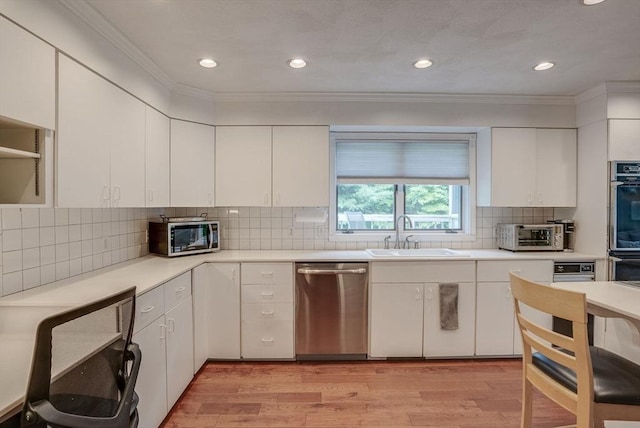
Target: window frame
(468, 217)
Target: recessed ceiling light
(543, 66)
(591, 2)
(423, 63)
(207, 63)
(297, 63)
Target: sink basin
(418, 252)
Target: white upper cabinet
(243, 166)
(300, 166)
(624, 139)
(100, 143)
(157, 140)
(192, 164)
(27, 85)
(272, 166)
(523, 167)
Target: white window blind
(416, 161)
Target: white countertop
(20, 313)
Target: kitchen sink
(418, 252)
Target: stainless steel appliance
(568, 232)
(573, 272)
(331, 310)
(624, 219)
(530, 237)
(179, 236)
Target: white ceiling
(479, 46)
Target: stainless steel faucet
(400, 217)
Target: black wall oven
(624, 234)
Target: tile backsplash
(42, 245)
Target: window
(381, 176)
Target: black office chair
(85, 367)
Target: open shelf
(7, 153)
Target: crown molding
(594, 92)
(623, 87)
(97, 22)
(371, 97)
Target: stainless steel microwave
(530, 237)
(184, 235)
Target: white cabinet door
(529, 167)
(157, 140)
(223, 310)
(28, 82)
(556, 168)
(85, 132)
(494, 319)
(127, 119)
(396, 320)
(151, 385)
(200, 293)
(449, 343)
(300, 166)
(513, 167)
(243, 166)
(192, 164)
(179, 349)
(624, 139)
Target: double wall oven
(624, 233)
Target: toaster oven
(530, 237)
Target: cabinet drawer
(421, 272)
(268, 312)
(498, 271)
(267, 340)
(177, 290)
(256, 293)
(267, 273)
(149, 306)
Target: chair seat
(616, 380)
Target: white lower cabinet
(405, 309)
(458, 342)
(216, 290)
(267, 311)
(164, 331)
(396, 320)
(151, 385)
(496, 330)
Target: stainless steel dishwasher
(331, 310)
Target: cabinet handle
(180, 290)
(430, 295)
(163, 332)
(278, 199)
(106, 195)
(150, 195)
(267, 314)
(116, 195)
(172, 325)
(418, 294)
(267, 340)
(267, 294)
(267, 274)
(233, 274)
(147, 309)
(509, 296)
(530, 198)
(266, 199)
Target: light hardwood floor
(443, 394)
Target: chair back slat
(557, 339)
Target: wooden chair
(592, 383)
